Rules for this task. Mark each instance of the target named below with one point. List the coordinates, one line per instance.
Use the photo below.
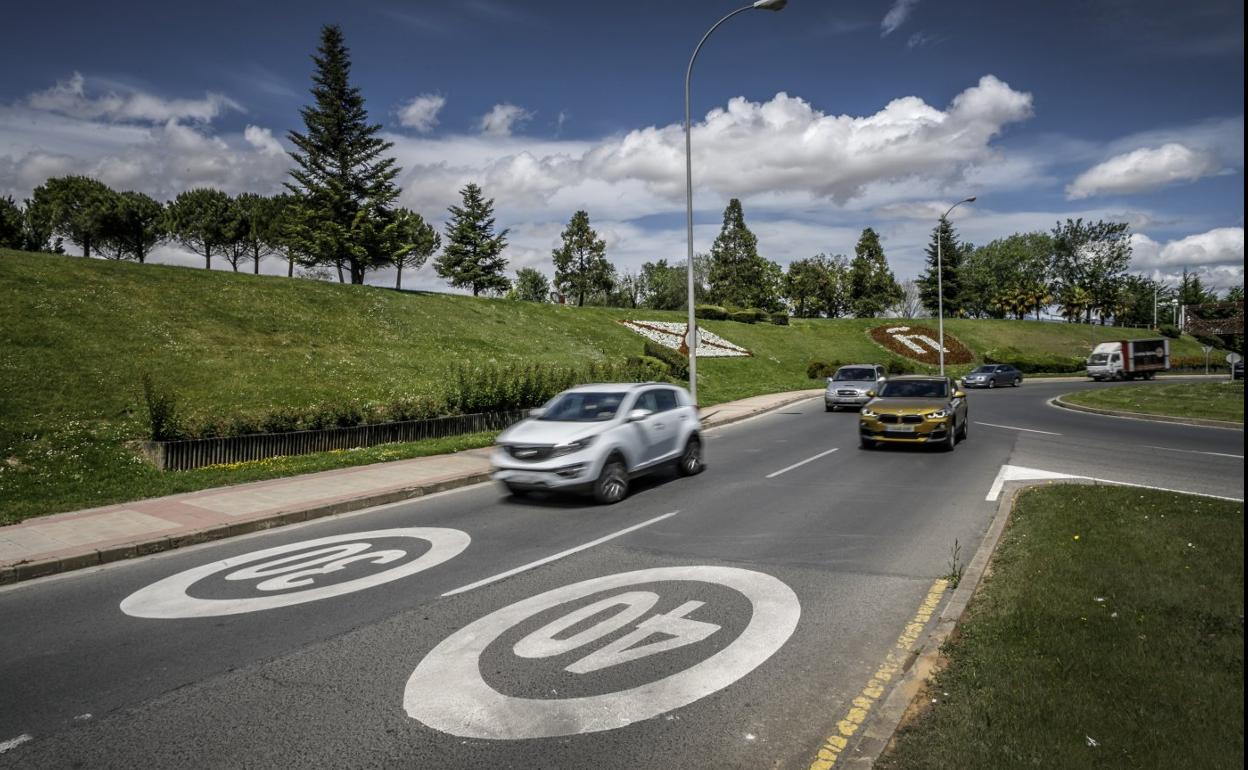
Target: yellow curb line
(893, 665)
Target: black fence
(196, 453)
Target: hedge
(743, 316)
(1034, 363)
(710, 312)
(780, 319)
(678, 365)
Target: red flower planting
(920, 343)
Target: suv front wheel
(612, 484)
(690, 462)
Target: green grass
(77, 335)
(1204, 400)
(1112, 615)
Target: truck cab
(1129, 359)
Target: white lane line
(1020, 473)
(798, 465)
(1194, 451)
(13, 743)
(559, 555)
(1013, 427)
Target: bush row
(677, 365)
(469, 389)
(1035, 363)
(818, 370)
(747, 316)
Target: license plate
(901, 429)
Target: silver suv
(850, 385)
(596, 438)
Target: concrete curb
(1195, 421)
(16, 573)
(708, 423)
(925, 662)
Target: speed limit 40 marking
(297, 566)
(447, 691)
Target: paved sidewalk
(66, 541)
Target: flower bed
(920, 343)
(671, 334)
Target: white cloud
(896, 16)
(70, 98)
(421, 113)
(1142, 170)
(1219, 246)
(262, 139)
(503, 118)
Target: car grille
(909, 419)
(530, 453)
(889, 418)
(912, 419)
(846, 392)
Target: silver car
(596, 438)
(850, 384)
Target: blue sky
(824, 118)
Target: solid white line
(1162, 489)
(1195, 452)
(798, 465)
(15, 742)
(1012, 427)
(558, 556)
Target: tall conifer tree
(581, 266)
(473, 256)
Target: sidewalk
(67, 541)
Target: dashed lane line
(894, 663)
(1194, 452)
(13, 743)
(1014, 427)
(557, 556)
(800, 464)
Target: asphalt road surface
(725, 620)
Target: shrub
(1210, 340)
(710, 312)
(760, 315)
(1169, 330)
(780, 319)
(678, 365)
(1035, 363)
(648, 368)
(818, 370)
(162, 411)
(899, 366)
(743, 316)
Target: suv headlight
(572, 446)
(939, 414)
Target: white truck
(1129, 359)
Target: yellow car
(914, 410)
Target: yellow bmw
(914, 410)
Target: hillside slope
(76, 337)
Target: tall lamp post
(691, 340)
(940, 289)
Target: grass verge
(1109, 634)
(1222, 400)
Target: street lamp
(691, 339)
(940, 290)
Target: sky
(824, 118)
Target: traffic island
(1108, 632)
(1210, 404)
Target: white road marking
(447, 691)
(13, 743)
(1013, 427)
(1195, 452)
(800, 464)
(169, 598)
(560, 555)
(1020, 473)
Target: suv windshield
(914, 389)
(583, 407)
(854, 375)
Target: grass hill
(77, 335)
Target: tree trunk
(86, 247)
(256, 256)
(207, 258)
(398, 278)
(290, 266)
(339, 266)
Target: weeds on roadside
(956, 567)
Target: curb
(1194, 421)
(707, 424)
(16, 573)
(925, 661)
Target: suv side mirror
(637, 415)
(537, 412)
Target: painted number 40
(679, 630)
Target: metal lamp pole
(940, 289)
(692, 339)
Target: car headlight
(572, 446)
(939, 414)
(867, 412)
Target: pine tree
(951, 255)
(343, 180)
(473, 253)
(197, 220)
(872, 286)
(581, 266)
(739, 277)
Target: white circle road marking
(447, 692)
(168, 598)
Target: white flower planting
(909, 339)
(671, 334)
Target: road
(755, 612)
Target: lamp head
(770, 5)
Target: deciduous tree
(415, 241)
(76, 208)
(197, 219)
(531, 285)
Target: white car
(596, 438)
